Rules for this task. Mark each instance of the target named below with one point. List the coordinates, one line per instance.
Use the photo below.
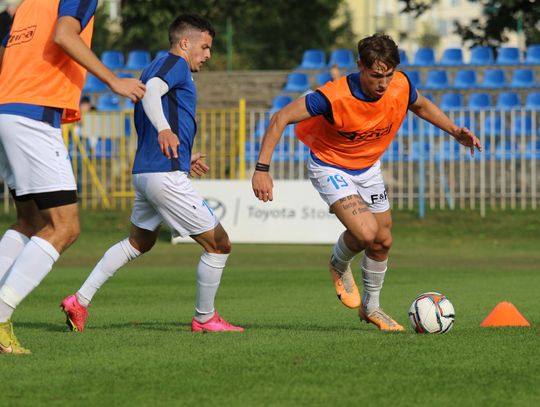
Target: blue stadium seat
(523, 78)
(481, 55)
(301, 152)
(392, 152)
(252, 150)
(465, 79)
(533, 101)
(103, 148)
(436, 79)
(452, 56)
(414, 77)
(424, 57)
(162, 53)
(508, 101)
(125, 75)
(523, 125)
(414, 153)
(313, 59)
(478, 101)
(505, 150)
(508, 56)
(260, 128)
(494, 78)
(409, 127)
(93, 84)
(532, 149)
(113, 59)
(451, 100)
(322, 77)
(297, 82)
(108, 102)
(137, 59)
(281, 101)
(493, 126)
(344, 58)
(533, 54)
(403, 58)
(447, 150)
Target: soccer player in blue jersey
(166, 125)
(43, 61)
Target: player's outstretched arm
(427, 110)
(67, 37)
(292, 113)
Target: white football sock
(209, 272)
(342, 256)
(373, 273)
(114, 258)
(11, 246)
(31, 266)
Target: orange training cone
(505, 314)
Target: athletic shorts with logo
(169, 198)
(333, 184)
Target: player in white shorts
(166, 127)
(347, 125)
(41, 79)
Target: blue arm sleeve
(82, 10)
(317, 104)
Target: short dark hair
(378, 48)
(187, 21)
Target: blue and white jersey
(82, 10)
(179, 107)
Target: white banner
(296, 215)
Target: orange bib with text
(361, 130)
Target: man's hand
(168, 142)
(464, 136)
(198, 166)
(262, 186)
(129, 87)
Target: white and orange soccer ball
(431, 313)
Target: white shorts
(33, 156)
(332, 184)
(169, 197)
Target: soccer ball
(431, 313)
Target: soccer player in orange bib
(348, 124)
(43, 60)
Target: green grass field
(301, 346)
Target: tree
(268, 34)
(499, 18)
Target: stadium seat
(437, 79)
(478, 101)
(392, 152)
(301, 152)
(414, 153)
(409, 127)
(533, 101)
(313, 59)
(452, 56)
(125, 75)
(322, 77)
(93, 84)
(523, 78)
(344, 58)
(523, 125)
(508, 101)
(403, 58)
(108, 102)
(506, 150)
(113, 59)
(532, 150)
(424, 57)
(281, 101)
(533, 54)
(465, 79)
(508, 56)
(297, 82)
(103, 148)
(414, 77)
(252, 150)
(162, 53)
(481, 55)
(451, 100)
(492, 126)
(447, 150)
(494, 78)
(137, 59)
